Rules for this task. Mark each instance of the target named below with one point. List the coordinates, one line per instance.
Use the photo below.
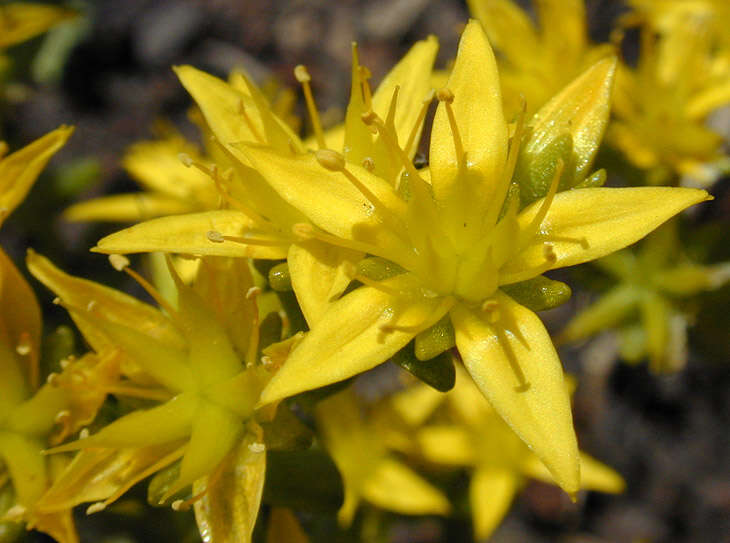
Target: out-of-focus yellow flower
(645, 304)
(468, 433)
(456, 242)
(21, 21)
(197, 358)
(368, 470)
(29, 412)
(664, 15)
(536, 61)
(662, 104)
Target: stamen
(305, 232)
(256, 447)
(583, 242)
(252, 127)
(302, 75)
(253, 292)
(548, 252)
(185, 159)
(23, 347)
(446, 97)
(491, 308)
(95, 508)
(216, 237)
(121, 263)
(378, 285)
(536, 222)
(365, 75)
(416, 129)
(523, 385)
(368, 163)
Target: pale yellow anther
(15, 513)
(118, 262)
(215, 236)
(62, 416)
(302, 74)
(52, 379)
(368, 163)
(57, 301)
(369, 117)
(266, 361)
(253, 292)
(84, 433)
(91, 305)
(330, 160)
(23, 347)
(256, 447)
(178, 505)
(548, 252)
(186, 159)
(445, 95)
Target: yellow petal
(26, 466)
(585, 224)
(708, 100)
(358, 332)
(135, 207)
(37, 415)
(228, 510)
(60, 526)
(514, 364)
(21, 21)
(570, 17)
(108, 304)
(415, 404)
(284, 526)
(395, 487)
(477, 108)
(19, 170)
(509, 28)
(448, 445)
(20, 324)
(491, 492)
(221, 106)
(655, 316)
(156, 426)
(215, 430)
(594, 475)
(320, 274)
(581, 109)
(332, 202)
(188, 234)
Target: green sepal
(535, 170)
(57, 346)
(162, 482)
(596, 179)
(538, 293)
(289, 303)
(318, 488)
(435, 340)
(286, 432)
(378, 269)
(279, 278)
(438, 372)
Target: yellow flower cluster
(292, 265)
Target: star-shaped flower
(458, 240)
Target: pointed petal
(415, 404)
(136, 207)
(215, 430)
(21, 21)
(332, 202)
(707, 100)
(491, 492)
(19, 170)
(36, 416)
(320, 274)
(188, 234)
(395, 487)
(26, 466)
(656, 318)
(509, 28)
(354, 336)
(109, 304)
(515, 365)
(570, 17)
(478, 112)
(20, 325)
(585, 224)
(228, 510)
(162, 424)
(594, 475)
(448, 445)
(581, 109)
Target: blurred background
(108, 73)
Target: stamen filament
(305, 231)
(367, 94)
(378, 285)
(151, 290)
(416, 129)
(529, 273)
(217, 237)
(522, 384)
(536, 222)
(249, 122)
(302, 75)
(447, 97)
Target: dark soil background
(668, 436)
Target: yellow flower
(456, 249)
(470, 434)
(29, 412)
(537, 61)
(661, 106)
(21, 21)
(198, 358)
(258, 222)
(645, 304)
(664, 15)
(368, 470)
